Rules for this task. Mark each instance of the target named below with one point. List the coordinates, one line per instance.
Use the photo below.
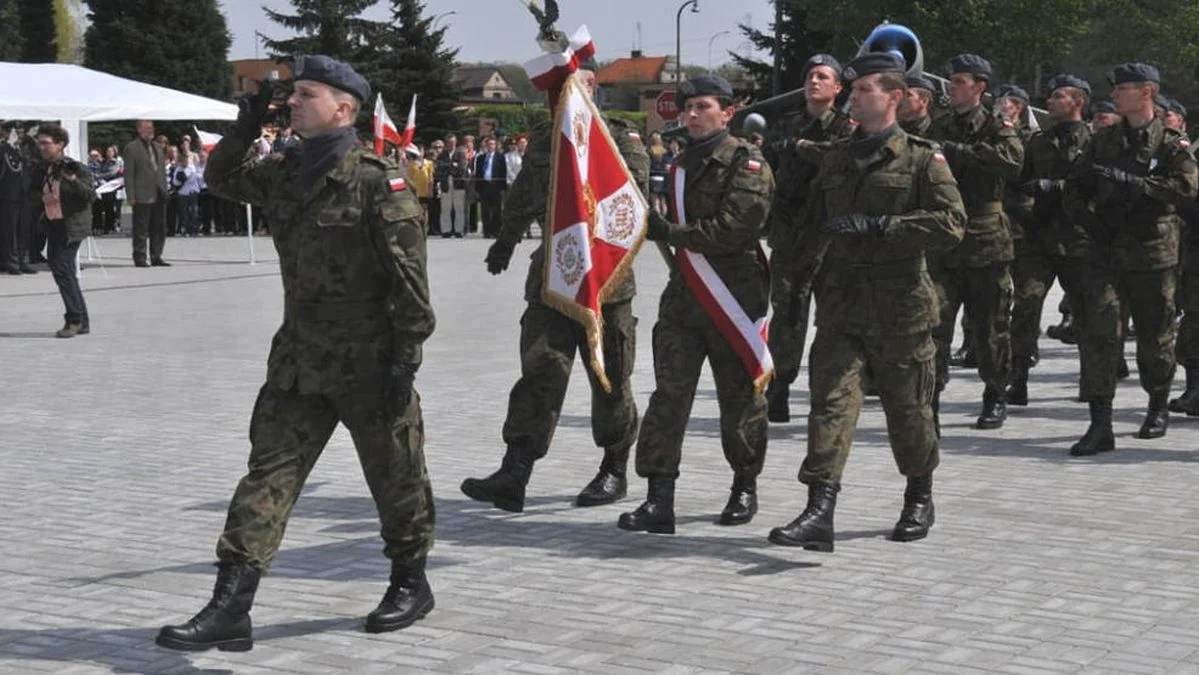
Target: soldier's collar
(1150, 134)
(827, 117)
(973, 119)
(343, 171)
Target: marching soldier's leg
(288, 431)
(1070, 276)
(613, 414)
(1032, 277)
(743, 428)
(390, 444)
(835, 384)
(548, 341)
(1100, 347)
(786, 350)
(1187, 347)
(989, 307)
(948, 294)
(1150, 298)
(679, 353)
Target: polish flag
(410, 126)
(385, 129)
(208, 140)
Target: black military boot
(778, 402)
(994, 410)
(1066, 332)
(1189, 401)
(1099, 437)
(1157, 420)
(224, 622)
(964, 357)
(812, 529)
(407, 600)
(656, 514)
(742, 504)
(1017, 391)
(610, 484)
(917, 515)
(504, 489)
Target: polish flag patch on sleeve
(397, 184)
(754, 165)
(634, 136)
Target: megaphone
(898, 40)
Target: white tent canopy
(75, 95)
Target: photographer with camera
(64, 206)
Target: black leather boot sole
(375, 625)
(778, 537)
(479, 490)
(238, 644)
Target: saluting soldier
(985, 153)
(351, 243)
(884, 198)
(1125, 188)
(719, 212)
(549, 341)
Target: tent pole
(250, 232)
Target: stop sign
(665, 106)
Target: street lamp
(710, 41)
(678, 38)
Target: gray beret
(1134, 72)
(819, 60)
(874, 62)
(703, 85)
(971, 64)
(333, 73)
(1067, 80)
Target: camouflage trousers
(986, 293)
(1149, 296)
(288, 432)
(788, 325)
(680, 348)
(902, 367)
(549, 341)
(1187, 348)
(1033, 275)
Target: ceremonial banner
(550, 71)
(747, 337)
(596, 214)
(208, 140)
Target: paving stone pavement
(119, 451)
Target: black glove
(1040, 186)
(856, 224)
(782, 145)
(658, 228)
(399, 385)
(252, 111)
(949, 149)
(1120, 178)
(499, 255)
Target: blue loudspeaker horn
(898, 40)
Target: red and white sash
(747, 337)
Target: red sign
(665, 106)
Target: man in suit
(146, 187)
(491, 179)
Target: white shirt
(514, 160)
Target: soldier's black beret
(704, 85)
(334, 73)
(819, 60)
(1103, 107)
(970, 64)
(1067, 80)
(1134, 72)
(1011, 91)
(874, 62)
(1160, 100)
(1176, 106)
(920, 82)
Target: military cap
(874, 62)
(971, 64)
(704, 85)
(1011, 91)
(333, 73)
(819, 60)
(920, 82)
(1067, 80)
(1160, 100)
(1134, 72)
(1175, 106)
(1103, 107)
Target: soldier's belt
(985, 209)
(334, 311)
(889, 269)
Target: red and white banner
(409, 126)
(208, 140)
(597, 218)
(550, 71)
(385, 129)
(747, 337)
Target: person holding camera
(64, 205)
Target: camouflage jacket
(528, 198)
(798, 166)
(1049, 156)
(922, 127)
(353, 261)
(989, 153)
(881, 285)
(1133, 232)
(726, 202)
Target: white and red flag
(385, 129)
(409, 126)
(208, 140)
(596, 213)
(549, 71)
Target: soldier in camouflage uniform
(1125, 189)
(549, 341)
(805, 135)
(1187, 347)
(725, 203)
(351, 245)
(985, 153)
(915, 111)
(884, 198)
(1051, 246)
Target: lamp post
(710, 41)
(678, 38)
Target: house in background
(482, 84)
(641, 83)
(247, 73)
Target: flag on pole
(385, 129)
(208, 140)
(410, 126)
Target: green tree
(334, 28)
(1160, 32)
(181, 44)
(38, 31)
(799, 36)
(12, 43)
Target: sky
(503, 30)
